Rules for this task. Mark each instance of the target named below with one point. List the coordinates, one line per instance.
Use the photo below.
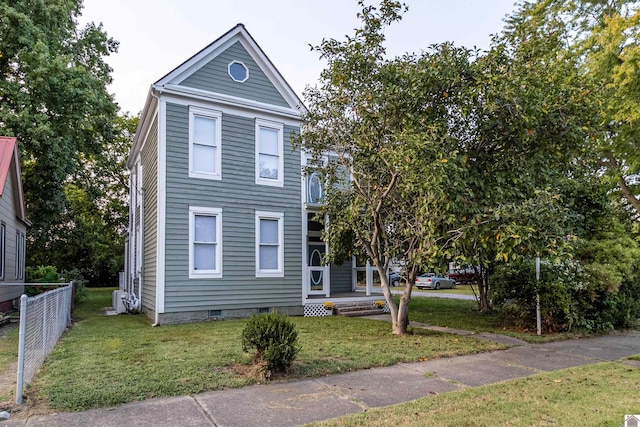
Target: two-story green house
(221, 216)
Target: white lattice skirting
(316, 310)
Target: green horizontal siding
(239, 197)
(341, 278)
(8, 216)
(214, 77)
(149, 159)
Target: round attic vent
(238, 71)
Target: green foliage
(89, 235)
(572, 295)
(603, 39)
(275, 340)
(80, 292)
(387, 123)
(42, 274)
(53, 98)
(49, 274)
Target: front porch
(361, 295)
(348, 284)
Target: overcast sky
(158, 35)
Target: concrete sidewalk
(299, 402)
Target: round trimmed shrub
(275, 340)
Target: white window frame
(205, 211)
(20, 253)
(214, 115)
(246, 77)
(3, 247)
(279, 127)
(279, 216)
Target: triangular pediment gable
(208, 72)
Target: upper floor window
(314, 187)
(269, 158)
(205, 140)
(205, 242)
(238, 71)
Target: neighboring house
(221, 222)
(13, 225)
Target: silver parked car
(431, 281)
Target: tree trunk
(401, 323)
(628, 194)
(399, 314)
(483, 292)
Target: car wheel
(453, 286)
(395, 283)
(437, 285)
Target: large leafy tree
(90, 234)
(53, 97)
(385, 121)
(604, 36)
(523, 128)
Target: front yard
(109, 360)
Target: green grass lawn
(108, 360)
(463, 314)
(595, 395)
(459, 290)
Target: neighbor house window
(269, 159)
(2, 249)
(205, 136)
(20, 246)
(205, 242)
(269, 244)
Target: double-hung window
(205, 136)
(205, 242)
(2, 249)
(20, 250)
(269, 153)
(269, 244)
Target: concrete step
(357, 309)
(361, 313)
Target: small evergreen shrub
(274, 339)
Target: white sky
(158, 35)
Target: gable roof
(170, 84)
(237, 34)
(10, 163)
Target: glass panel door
(317, 271)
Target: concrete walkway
(299, 402)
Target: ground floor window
(269, 244)
(205, 242)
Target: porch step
(357, 309)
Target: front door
(317, 272)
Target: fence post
(21, 348)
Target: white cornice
(229, 101)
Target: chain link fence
(43, 319)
